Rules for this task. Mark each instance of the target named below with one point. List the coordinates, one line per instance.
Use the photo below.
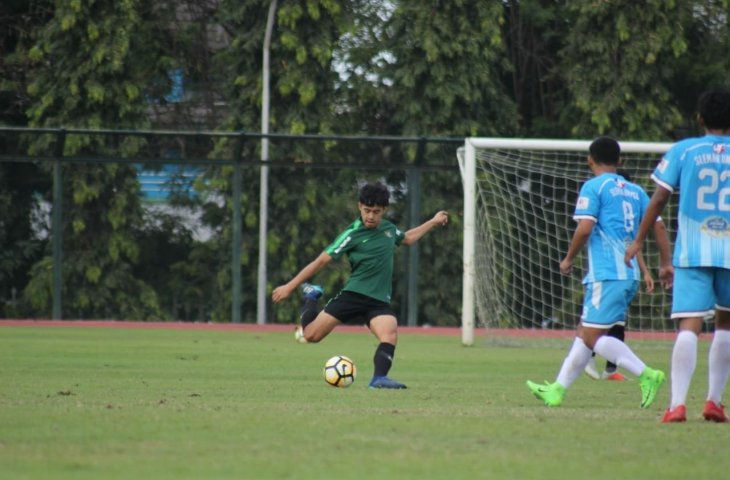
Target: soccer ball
(340, 371)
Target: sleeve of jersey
(586, 208)
(399, 236)
(667, 173)
(341, 244)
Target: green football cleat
(650, 381)
(550, 393)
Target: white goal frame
(467, 164)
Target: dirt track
(249, 327)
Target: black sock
(383, 359)
(619, 332)
(309, 312)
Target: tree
(435, 68)
(21, 242)
(617, 63)
(416, 68)
(428, 68)
(534, 32)
(302, 79)
(96, 65)
(705, 63)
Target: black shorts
(355, 309)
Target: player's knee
(312, 337)
(693, 324)
(389, 337)
(313, 334)
(385, 328)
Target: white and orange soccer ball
(340, 371)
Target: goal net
(519, 199)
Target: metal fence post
(414, 219)
(236, 234)
(57, 224)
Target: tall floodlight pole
(264, 197)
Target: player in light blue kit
(608, 211)
(700, 169)
(611, 372)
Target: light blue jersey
(700, 168)
(617, 207)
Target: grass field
(93, 403)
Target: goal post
(519, 198)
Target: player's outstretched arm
(283, 291)
(414, 234)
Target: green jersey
(370, 251)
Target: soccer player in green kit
(369, 243)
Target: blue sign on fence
(157, 185)
(177, 90)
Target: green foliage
(426, 68)
(536, 68)
(302, 84)
(448, 56)
(302, 78)
(707, 33)
(440, 261)
(22, 244)
(534, 32)
(93, 61)
(617, 62)
(205, 275)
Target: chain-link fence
(167, 224)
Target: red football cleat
(714, 412)
(677, 415)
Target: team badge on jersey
(716, 227)
(582, 203)
(662, 165)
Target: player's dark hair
(374, 194)
(714, 108)
(605, 150)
